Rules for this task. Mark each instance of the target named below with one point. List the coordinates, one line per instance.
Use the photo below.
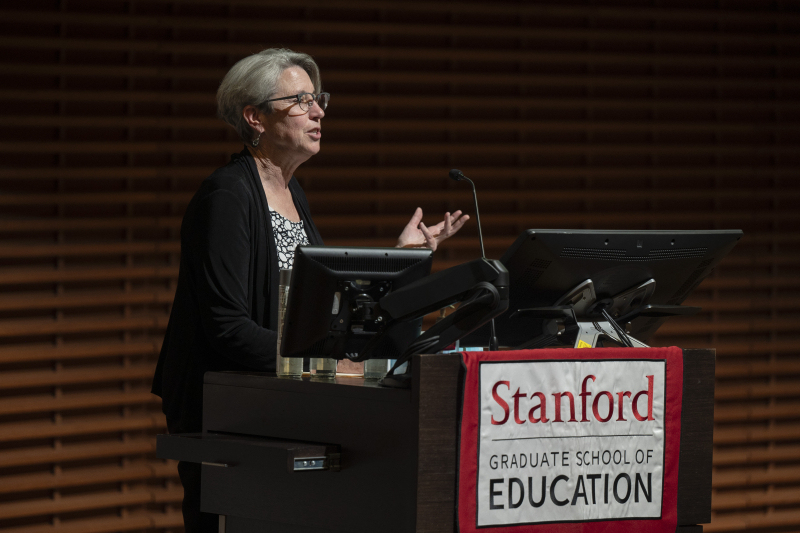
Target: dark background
(567, 114)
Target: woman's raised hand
(417, 235)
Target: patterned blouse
(288, 236)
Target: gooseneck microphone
(457, 175)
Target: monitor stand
(580, 320)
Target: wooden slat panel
(84, 299)
(777, 454)
(334, 26)
(69, 504)
(362, 197)
(754, 521)
(752, 477)
(13, 276)
(75, 478)
(749, 434)
(462, 125)
(98, 249)
(628, 12)
(614, 104)
(98, 525)
(43, 455)
(82, 426)
(83, 350)
(333, 174)
(742, 413)
(738, 392)
(18, 380)
(40, 403)
(114, 523)
(98, 323)
(742, 500)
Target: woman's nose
(316, 111)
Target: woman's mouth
(315, 134)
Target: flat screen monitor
(333, 293)
(544, 265)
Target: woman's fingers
(411, 236)
(415, 231)
(429, 238)
(458, 224)
(452, 223)
(416, 218)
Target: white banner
(570, 440)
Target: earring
(255, 141)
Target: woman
(239, 230)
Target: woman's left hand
(417, 235)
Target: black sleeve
(219, 252)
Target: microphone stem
(458, 176)
(477, 215)
(493, 338)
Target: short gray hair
(253, 80)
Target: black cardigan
(225, 312)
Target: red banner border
(468, 447)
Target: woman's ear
(252, 116)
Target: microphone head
(456, 175)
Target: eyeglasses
(306, 100)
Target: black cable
(619, 331)
(415, 347)
(542, 341)
(621, 334)
(493, 339)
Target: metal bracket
(590, 332)
(208, 463)
(323, 462)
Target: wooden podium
(349, 456)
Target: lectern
(349, 456)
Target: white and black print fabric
(288, 236)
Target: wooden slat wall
(589, 114)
